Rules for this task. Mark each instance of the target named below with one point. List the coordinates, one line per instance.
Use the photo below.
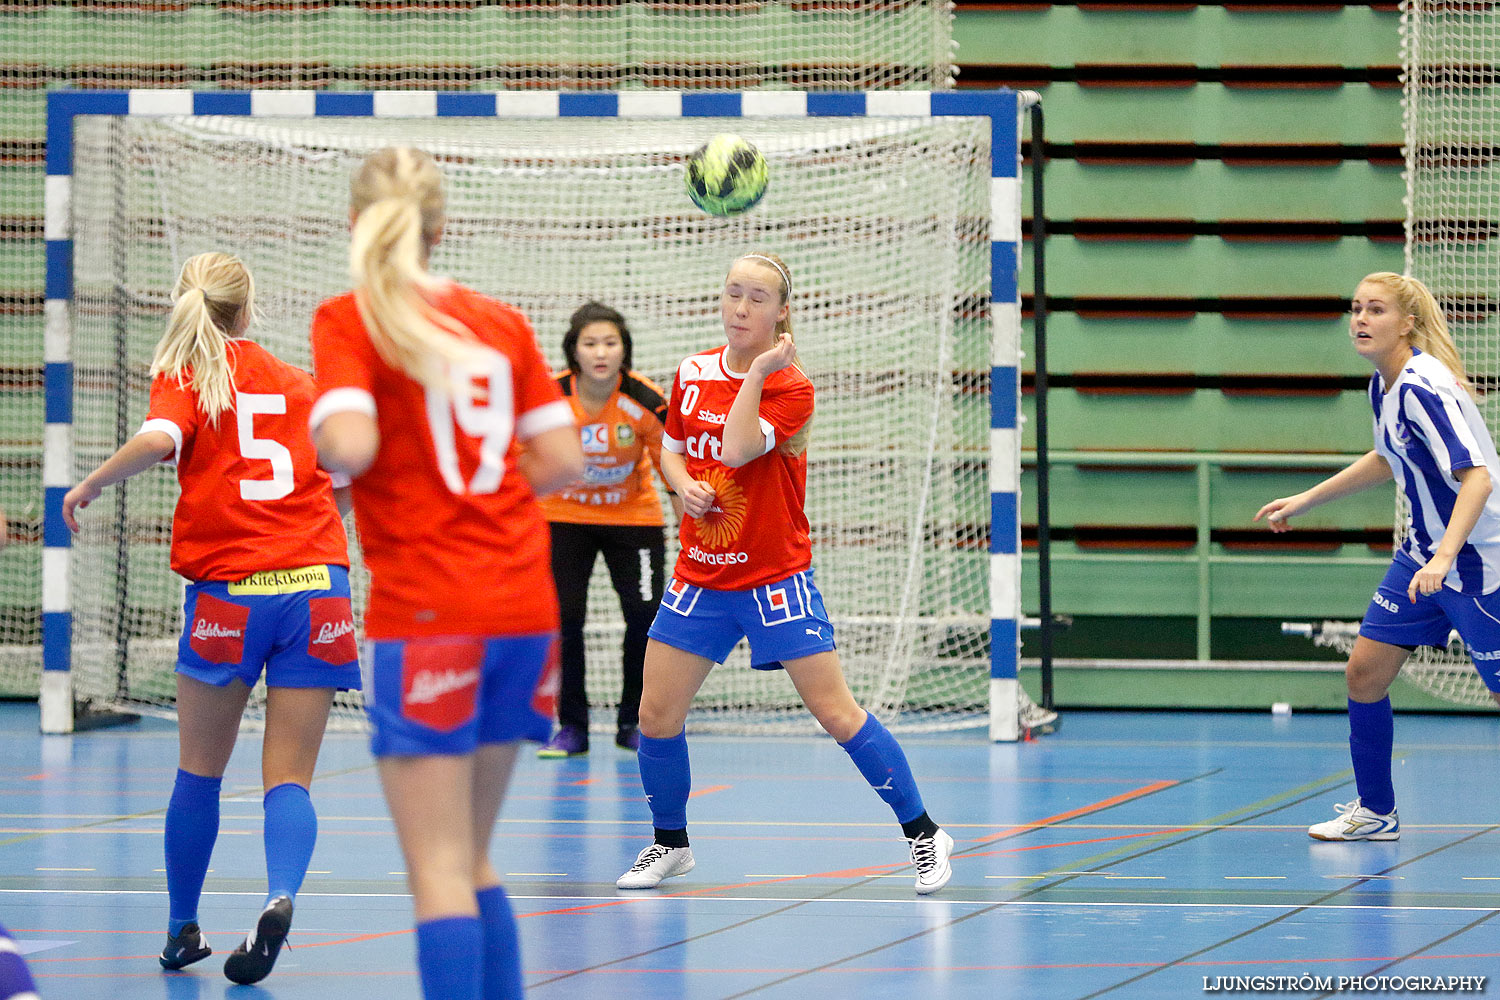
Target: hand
(781, 354)
(76, 499)
(1429, 579)
(697, 499)
(1279, 511)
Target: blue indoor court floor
(1127, 855)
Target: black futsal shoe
(252, 960)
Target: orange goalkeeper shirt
(621, 445)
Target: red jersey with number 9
(451, 532)
(253, 497)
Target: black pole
(119, 314)
(1039, 356)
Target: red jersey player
(439, 403)
(258, 535)
(734, 451)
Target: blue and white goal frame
(1002, 108)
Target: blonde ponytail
(214, 298)
(396, 196)
(1429, 332)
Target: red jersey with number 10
(756, 532)
(253, 497)
(451, 532)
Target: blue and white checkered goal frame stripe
(1000, 107)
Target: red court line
(1077, 843)
(1113, 800)
(708, 791)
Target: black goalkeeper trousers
(635, 556)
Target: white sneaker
(1355, 822)
(654, 864)
(930, 855)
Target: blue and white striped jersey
(1427, 427)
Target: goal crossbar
(1001, 109)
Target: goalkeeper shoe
(185, 948)
(568, 741)
(1355, 822)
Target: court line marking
(1114, 800)
(1431, 944)
(1284, 799)
(1314, 904)
(1004, 834)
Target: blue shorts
(1393, 618)
(297, 625)
(785, 620)
(448, 694)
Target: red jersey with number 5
(451, 532)
(756, 532)
(253, 497)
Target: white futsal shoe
(1355, 822)
(654, 864)
(930, 855)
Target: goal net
(1451, 110)
(884, 222)
(453, 45)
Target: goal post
(899, 215)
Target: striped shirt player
(1445, 575)
(1427, 428)
(735, 451)
(258, 534)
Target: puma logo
(885, 787)
(815, 631)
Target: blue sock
(879, 758)
(192, 828)
(667, 778)
(502, 946)
(448, 959)
(1372, 736)
(291, 829)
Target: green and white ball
(726, 175)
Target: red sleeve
(535, 386)
(673, 426)
(787, 407)
(341, 357)
(343, 362)
(176, 404)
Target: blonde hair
(396, 196)
(1429, 331)
(214, 291)
(797, 443)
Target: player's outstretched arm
(136, 455)
(1367, 471)
(347, 442)
(553, 460)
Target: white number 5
(246, 406)
(482, 404)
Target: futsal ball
(726, 175)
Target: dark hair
(594, 312)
